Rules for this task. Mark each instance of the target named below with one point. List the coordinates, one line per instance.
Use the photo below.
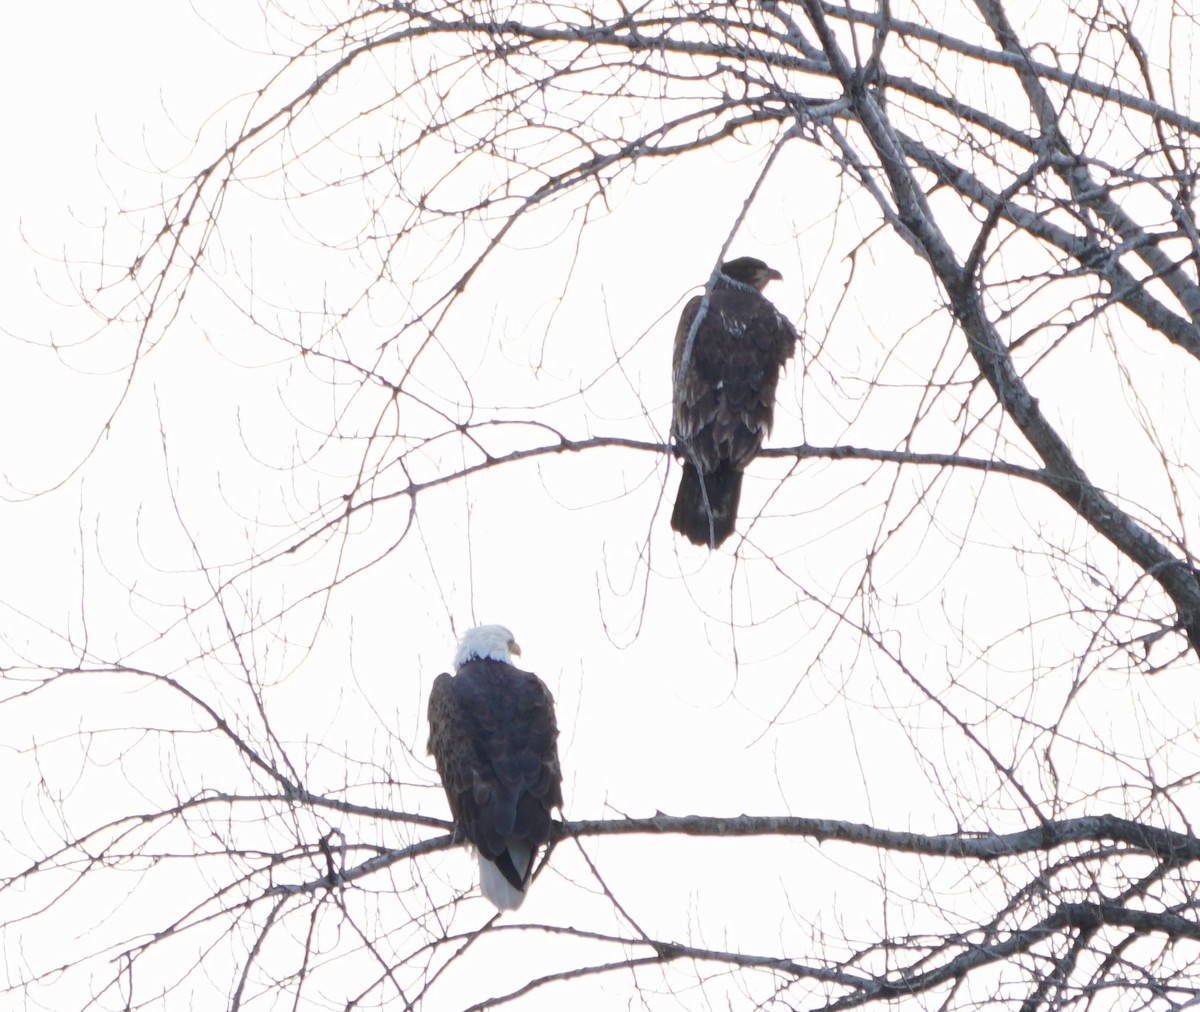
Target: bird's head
(750, 271)
(486, 643)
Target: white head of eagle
(735, 343)
(494, 737)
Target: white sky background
(635, 632)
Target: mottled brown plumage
(725, 401)
(493, 735)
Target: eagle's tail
(707, 523)
(503, 880)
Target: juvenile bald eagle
(494, 738)
(725, 397)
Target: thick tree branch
(1068, 479)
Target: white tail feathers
(492, 883)
(497, 888)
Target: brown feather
(493, 735)
(725, 402)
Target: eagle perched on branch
(493, 735)
(724, 393)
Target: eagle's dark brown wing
(724, 403)
(493, 735)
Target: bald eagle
(725, 394)
(494, 738)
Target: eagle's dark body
(493, 735)
(725, 401)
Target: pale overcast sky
(149, 516)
